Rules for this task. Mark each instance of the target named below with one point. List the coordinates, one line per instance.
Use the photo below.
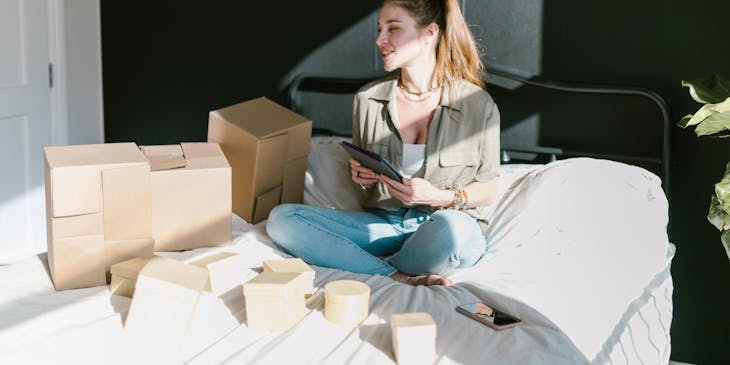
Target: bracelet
(460, 198)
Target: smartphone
(488, 315)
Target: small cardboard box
(346, 302)
(295, 265)
(274, 301)
(97, 210)
(164, 304)
(226, 270)
(414, 338)
(267, 146)
(124, 276)
(191, 196)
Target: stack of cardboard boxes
(107, 203)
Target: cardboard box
(97, 210)
(226, 270)
(124, 276)
(295, 265)
(414, 338)
(191, 196)
(164, 304)
(274, 301)
(267, 146)
(346, 302)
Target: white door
(25, 126)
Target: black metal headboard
(542, 120)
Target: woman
(433, 120)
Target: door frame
(59, 32)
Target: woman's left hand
(417, 191)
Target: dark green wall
(166, 64)
(655, 43)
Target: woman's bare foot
(426, 280)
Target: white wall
(83, 78)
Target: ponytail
(457, 55)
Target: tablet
(373, 160)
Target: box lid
(346, 291)
(205, 261)
(261, 117)
(416, 319)
(176, 272)
(93, 154)
(130, 268)
(273, 284)
(295, 265)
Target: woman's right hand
(361, 174)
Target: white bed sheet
(577, 249)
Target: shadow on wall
(166, 67)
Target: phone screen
(488, 315)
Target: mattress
(576, 248)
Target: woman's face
(400, 40)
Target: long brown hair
(457, 55)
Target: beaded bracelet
(460, 198)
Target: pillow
(327, 182)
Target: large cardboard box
(97, 211)
(191, 196)
(267, 146)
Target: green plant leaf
(722, 191)
(707, 110)
(715, 123)
(717, 216)
(713, 89)
(725, 239)
(683, 122)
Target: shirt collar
(385, 91)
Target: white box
(346, 302)
(414, 338)
(295, 265)
(226, 270)
(274, 301)
(164, 302)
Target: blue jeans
(415, 242)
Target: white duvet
(577, 249)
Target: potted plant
(713, 120)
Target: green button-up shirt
(462, 144)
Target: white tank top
(413, 157)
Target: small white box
(346, 302)
(164, 302)
(295, 265)
(226, 270)
(274, 301)
(414, 338)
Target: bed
(577, 248)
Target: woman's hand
(362, 175)
(417, 191)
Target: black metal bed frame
(350, 85)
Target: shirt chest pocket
(457, 167)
